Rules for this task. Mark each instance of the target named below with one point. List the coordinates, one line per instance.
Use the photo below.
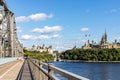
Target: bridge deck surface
(10, 70)
(26, 72)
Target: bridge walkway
(10, 70)
(26, 74)
(20, 70)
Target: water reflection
(93, 71)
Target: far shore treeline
(42, 56)
(91, 54)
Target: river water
(92, 71)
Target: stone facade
(102, 45)
(42, 48)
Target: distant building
(42, 48)
(25, 48)
(102, 45)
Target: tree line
(42, 56)
(91, 54)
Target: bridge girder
(9, 43)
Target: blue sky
(64, 23)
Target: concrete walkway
(10, 70)
(26, 72)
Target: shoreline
(90, 61)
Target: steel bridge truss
(9, 43)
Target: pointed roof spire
(105, 35)
(105, 32)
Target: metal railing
(43, 71)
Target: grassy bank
(42, 56)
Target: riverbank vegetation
(91, 54)
(42, 56)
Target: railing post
(50, 72)
(40, 72)
(40, 64)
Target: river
(93, 71)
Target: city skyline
(65, 23)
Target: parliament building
(103, 44)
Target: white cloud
(55, 36)
(84, 29)
(47, 29)
(34, 17)
(39, 16)
(83, 41)
(114, 10)
(19, 29)
(62, 46)
(28, 37)
(21, 19)
(41, 37)
(117, 38)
